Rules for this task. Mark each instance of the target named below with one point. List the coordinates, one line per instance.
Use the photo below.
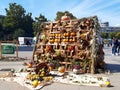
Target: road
(112, 63)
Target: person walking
(114, 46)
(118, 47)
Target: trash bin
(8, 49)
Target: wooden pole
(17, 49)
(34, 49)
(0, 50)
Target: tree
(1, 27)
(18, 33)
(38, 24)
(27, 25)
(104, 35)
(13, 19)
(112, 34)
(17, 19)
(60, 14)
(117, 35)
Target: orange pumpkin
(57, 40)
(59, 35)
(72, 33)
(65, 40)
(71, 40)
(30, 65)
(61, 69)
(51, 68)
(66, 34)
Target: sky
(106, 10)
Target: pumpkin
(57, 40)
(59, 35)
(30, 64)
(74, 40)
(35, 83)
(66, 34)
(51, 40)
(107, 83)
(61, 69)
(52, 35)
(72, 33)
(65, 40)
(51, 68)
(71, 40)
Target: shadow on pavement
(114, 68)
(5, 69)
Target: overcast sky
(106, 10)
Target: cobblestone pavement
(113, 64)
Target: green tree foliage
(1, 27)
(17, 19)
(27, 25)
(104, 35)
(38, 24)
(14, 17)
(112, 34)
(117, 35)
(60, 14)
(18, 33)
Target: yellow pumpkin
(51, 41)
(35, 83)
(107, 83)
(50, 34)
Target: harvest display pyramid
(72, 43)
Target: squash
(65, 40)
(71, 40)
(51, 40)
(57, 40)
(30, 64)
(61, 69)
(72, 33)
(51, 35)
(35, 83)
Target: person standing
(118, 47)
(114, 46)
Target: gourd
(61, 69)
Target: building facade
(106, 28)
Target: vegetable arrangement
(68, 41)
